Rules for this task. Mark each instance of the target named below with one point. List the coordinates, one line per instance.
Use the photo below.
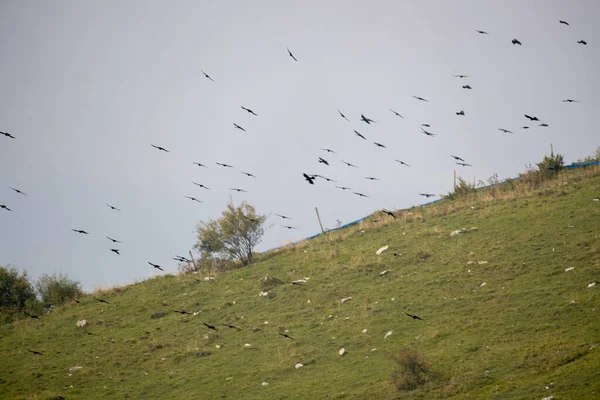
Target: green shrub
(56, 289)
(16, 293)
(411, 370)
(550, 165)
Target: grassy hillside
(531, 325)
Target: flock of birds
(311, 178)
(425, 129)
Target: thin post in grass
(319, 218)
(455, 180)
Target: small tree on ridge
(234, 235)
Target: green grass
(521, 326)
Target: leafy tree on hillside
(56, 289)
(16, 291)
(234, 235)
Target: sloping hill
(501, 316)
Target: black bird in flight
(5, 207)
(250, 219)
(329, 151)
(563, 22)
(413, 316)
(323, 177)
(239, 127)
(206, 76)
(365, 119)
(202, 186)
(379, 145)
(323, 161)
(461, 112)
(180, 258)
(183, 312)
(396, 113)
(467, 87)
(285, 335)
(343, 116)
(428, 133)
(343, 187)
(371, 178)
(248, 174)
(283, 216)
(232, 327)
(524, 127)
(113, 240)
(156, 266)
(349, 164)
(531, 118)
(160, 148)
(460, 76)
(420, 98)
(17, 190)
(31, 315)
(359, 135)
(238, 190)
(80, 231)
(249, 110)
(225, 165)
(583, 42)
(515, 41)
(457, 158)
(100, 300)
(193, 199)
(544, 125)
(463, 164)
(116, 251)
(391, 214)
(426, 125)
(402, 162)
(570, 101)
(428, 195)
(112, 207)
(309, 179)
(200, 165)
(289, 227)
(360, 194)
(210, 326)
(7, 135)
(37, 353)
(482, 32)
(291, 55)
(505, 130)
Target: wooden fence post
(319, 218)
(193, 261)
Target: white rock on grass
(592, 284)
(384, 272)
(365, 330)
(381, 250)
(265, 383)
(299, 365)
(342, 351)
(75, 368)
(569, 269)
(388, 334)
(264, 294)
(483, 284)
(247, 345)
(82, 323)
(209, 278)
(345, 299)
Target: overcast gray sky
(86, 87)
